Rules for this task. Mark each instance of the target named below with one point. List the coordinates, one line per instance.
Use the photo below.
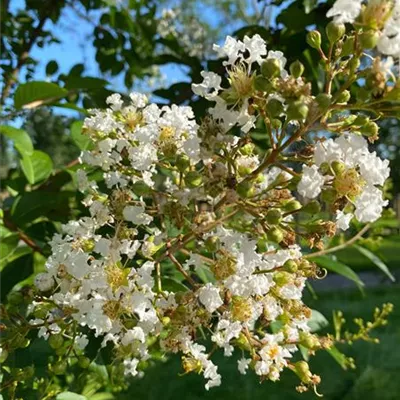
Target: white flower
(210, 86)
(343, 220)
(115, 101)
(369, 204)
(344, 11)
(130, 366)
(311, 182)
(243, 365)
(136, 215)
(139, 100)
(232, 49)
(389, 42)
(44, 281)
(256, 47)
(209, 296)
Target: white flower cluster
(193, 204)
(350, 169)
(387, 11)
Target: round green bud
(15, 298)
(211, 243)
(275, 235)
(338, 167)
(304, 265)
(290, 266)
(275, 108)
(3, 355)
(56, 341)
(361, 120)
(60, 367)
(296, 69)
(323, 100)
(329, 195)
(247, 149)
(314, 39)
(182, 162)
(297, 111)
(262, 245)
(369, 39)
(370, 129)
(84, 362)
(271, 68)
(292, 205)
(313, 207)
(245, 189)
(335, 31)
(348, 46)
(354, 64)
(274, 217)
(281, 278)
(261, 84)
(343, 97)
(140, 188)
(302, 370)
(325, 168)
(193, 179)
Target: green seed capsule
(313, 207)
(271, 68)
(56, 341)
(193, 179)
(274, 217)
(335, 31)
(84, 362)
(296, 69)
(314, 39)
(275, 235)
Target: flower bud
(369, 39)
(335, 31)
(297, 111)
(313, 207)
(275, 108)
(302, 370)
(44, 281)
(84, 362)
(314, 39)
(329, 195)
(323, 100)
(281, 278)
(15, 298)
(271, 68)
(361, 120)
(56, 341)
(338, 167)
(274, 217)
(182, 162)
(275, 235)
(276, 123)
(296, 69)
(348, 46)
(193, 179)
(292, 205)
(261, 84)
(247, 149)
(245, 189)
(290, 266)
(59, 368)
(343, 97)
(371, 129)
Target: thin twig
(340, 246)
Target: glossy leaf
(34, 94)
(37, 166)
(70, 396)
(317, 321)
(375, 260)
(21, 139)
(81, 140)
(339, 268)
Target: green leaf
(102, 396)
(51, 67)
(81, 140)
(37, 166)
(34, 94)
(339, 268)
(70, 396)
(375, 260)
(85, 82)
(317, 321)
(8, 246)
(31, 205)
(15, 272)
(21, 139)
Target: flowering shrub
(195, 240)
